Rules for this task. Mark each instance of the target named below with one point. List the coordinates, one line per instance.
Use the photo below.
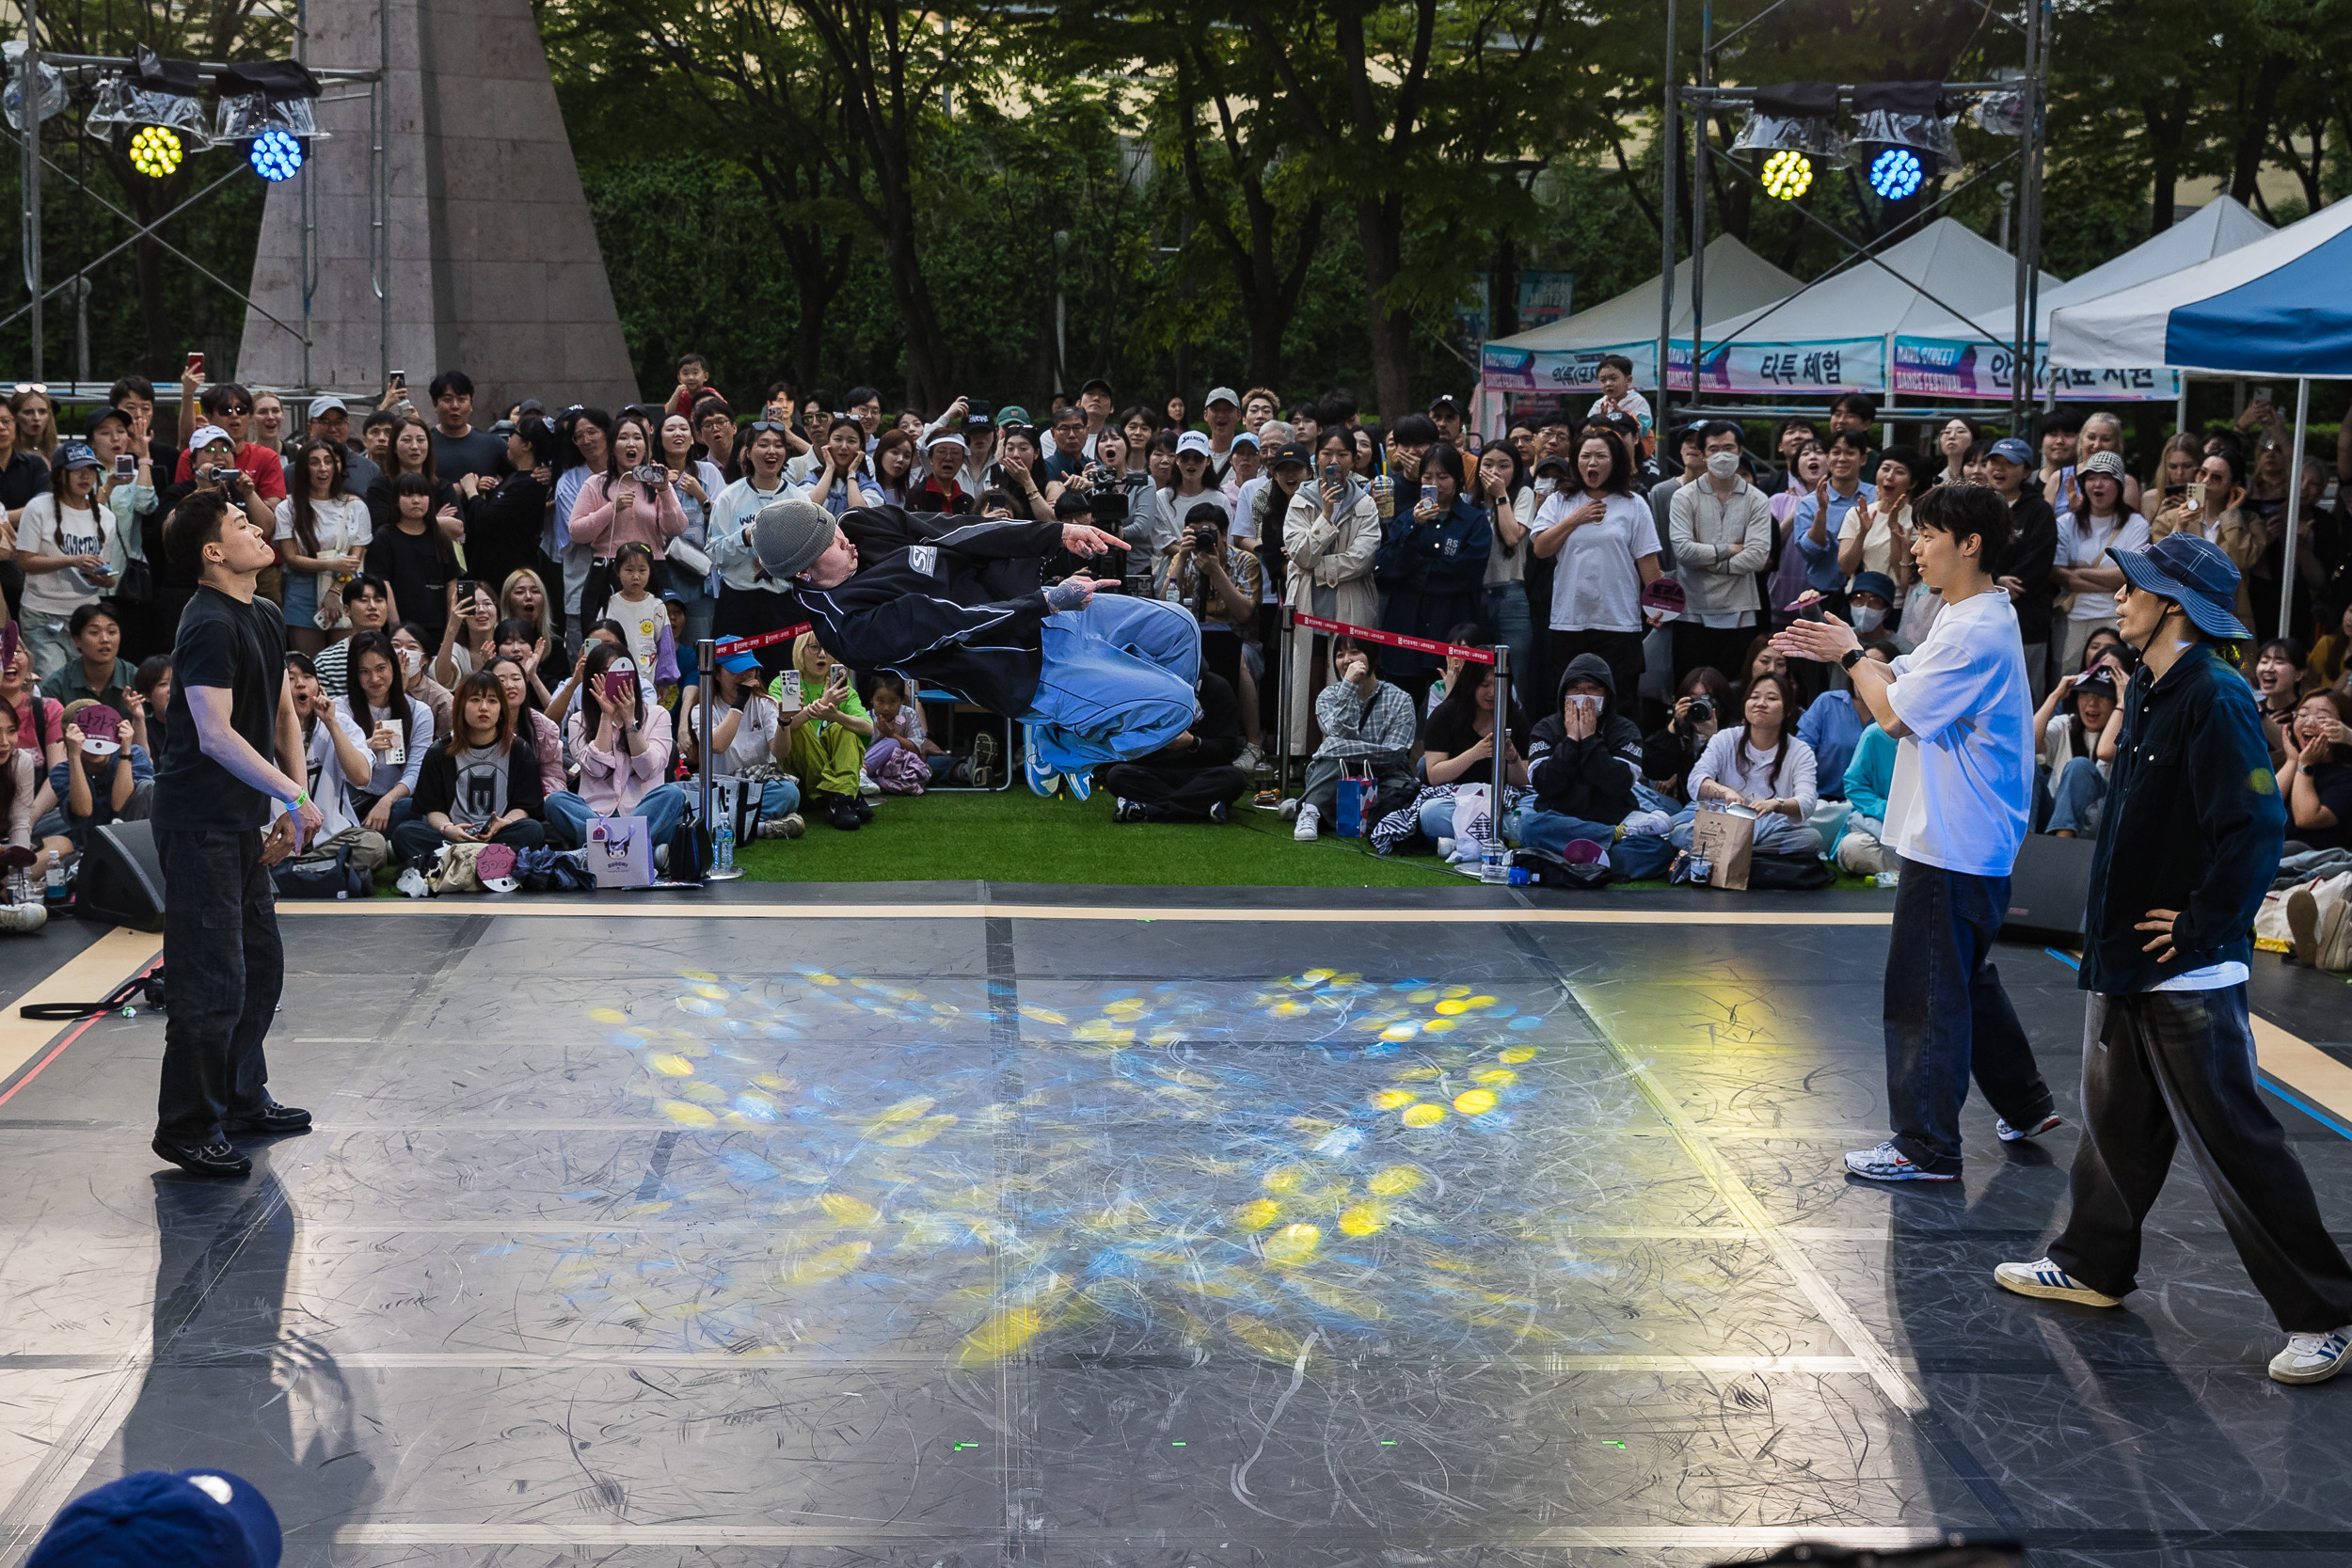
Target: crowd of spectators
(457, 600)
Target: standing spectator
(1509, 502)
(586, 453)
(35, 419)
(2086, 578)
(415, 558)
(1953, 443)
(64, 543)
(1221, 412)
(1722, 529)
(837, 479)
(626, 504)
(269, 424)
(751, 602)
(131, 501)
(696, 484)
(1877, 538)
(2099, 432)
(1688, 446)
(505, 523)
(1820, 519)
(322, 533)
(229, 408)
(2059, 430)
(2219, 517)
(1808, 465)
(1331, 533)
(23, 476)
(330, 420)
(411, 452)
(1604, 544)
(865, 406)
(1431, 565)
(2023, 568)
(1368, 727)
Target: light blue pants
(663, 807)
(2076, 802)
(779, 797)
(1117, 681)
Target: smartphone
(788, 692)
(1331, 473)
(196, 363)
(652, 473)
(2195, 493)
(126, 466)
(2261, 394)
(617, 686)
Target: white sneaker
(2048, 1281)
(412, 882)
(1310, 825)
(2312, 1358)
(1648, 824)
(2009, 1135)
(24, 919)
(1445, 849)
(1251, 759)
(1288, 809)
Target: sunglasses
(40, 386)
(238, 408)
(761, 427)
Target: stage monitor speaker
(2050, 886)
(121, 879)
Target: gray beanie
(789, 534)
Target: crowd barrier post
(1282, 705)
(1503, 733)
(707, 661)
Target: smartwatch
(1851, 658)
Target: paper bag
(1726, 840)
(1355, 802)
(620, 851)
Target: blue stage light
(277, 156)
(1895, 173)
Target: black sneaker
(271, 1120)
(838, 812)
(1126, 811)
(210, 1160)
(1217, 813)
(864, 812)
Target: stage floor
(1443, 1228)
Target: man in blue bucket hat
(2189, 846)
(155, 1519)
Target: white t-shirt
(1632, 402)
(1962, 790)
(642, 622)
(1878, 545)
(1595, 584)
(382, 775)
(2084, 542)
(47, 530)
(755, 734)
(341, 523)
(327, 781)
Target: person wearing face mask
(1722, 531)
(1832, 724)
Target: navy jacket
(2192, 822)
(947, 602)
(1431, 573)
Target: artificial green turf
(1016, 838)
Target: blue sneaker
(1080, 784)
(1042, 777)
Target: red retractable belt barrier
(1395, 639)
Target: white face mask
(1722, 464)
(1866, 617)
(412, 662)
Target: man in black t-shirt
(230, 714)
(458, 448)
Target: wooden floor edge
(649, 910)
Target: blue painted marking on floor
(2306, 1107)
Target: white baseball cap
(1193, 440)
(206, 435)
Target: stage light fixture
(1787, 174)
(1794, 116)
(275, 156)
(1895, 173)
(155, 150)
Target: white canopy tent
(2277, 307)
(1945, 261)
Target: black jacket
(1430, 573)
(952, 603)
(2032, 551)
(2192, 822)
(503, 527)
(1592, 778)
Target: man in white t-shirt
(1956, 814)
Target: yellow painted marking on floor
(2304, 1067)
(90, 974)
(618, 909)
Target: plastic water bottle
(722, 843)
(56, 889)
(1494, 862)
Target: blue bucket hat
(155, 1519)
(2194, 574)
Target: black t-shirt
(456, 457)
(1455, 732)
(242, 648)
(24, 477)
(418, 567)
(2333, 780)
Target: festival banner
(1844, 365)
(1958, 367)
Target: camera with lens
(1687, 722)
(1204, 537)
(1107, 506)
(651, 473)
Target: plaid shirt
(1353, 727)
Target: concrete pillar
(494, 264)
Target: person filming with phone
(622, 745)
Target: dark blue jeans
(1948, 1018)
(223, 968)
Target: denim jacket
(2193, 822)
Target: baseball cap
(1295, 453)
(502, 428)
(1092, 382)
(2193, 573)
(1220, 394)
(208, 434)
(103, 416)
(321, 407)
(1875, 582)
(1010, 415)
(2098, 682)
(731, 654)
(1242, 435)
(1555, 463)
(1445, 399)
(1193, 440)
(74, 455)
(156, 1519)
(2008, 449)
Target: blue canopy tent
(2277, 307)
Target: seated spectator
(2327, 666)
(519, 642)
(826, 731)
(1863, 849)
(478, 785)
(2278, 674)
(2074, 749)
(95, 671)
(1763, 765)
(469, 637)
(1832, 727)
(1584, 770)
(409, 643)
(1870, 603)
(622, 745)
(150, 699)
(105, 777)
(609, 633)
(903, 758)
(335, 764)
(749, 738)
(1701, 697)
(1194, 777)
(363, 603)
(1762, 659)
(39, 726)
(22, 786)
(1458, 748)
(1367, 726)
(2316, 781)
(532, 726)
(380, 718)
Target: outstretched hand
(1086, 539)
(1826, 640)
(1074, 593)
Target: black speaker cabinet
(2050, 886)
(122, 881)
